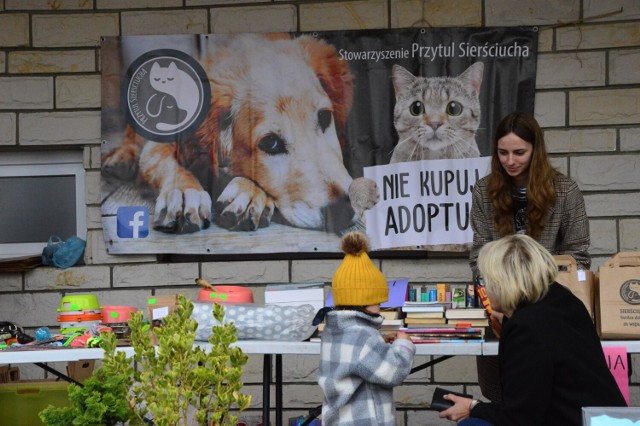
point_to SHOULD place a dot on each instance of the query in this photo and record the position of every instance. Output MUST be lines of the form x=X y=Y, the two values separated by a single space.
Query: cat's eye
x=454 y=108
x=416 y=108
x=273 y=144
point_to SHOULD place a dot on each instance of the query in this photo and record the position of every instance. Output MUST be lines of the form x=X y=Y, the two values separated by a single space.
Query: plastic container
x=79 y=302
x=21 y=402
x=77 y=327
x=226 y=294
x=117 y=314
x=79 y=318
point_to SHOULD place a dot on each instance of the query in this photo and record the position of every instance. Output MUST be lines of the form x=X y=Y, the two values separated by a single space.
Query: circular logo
x=167 y=95
x=630 y=291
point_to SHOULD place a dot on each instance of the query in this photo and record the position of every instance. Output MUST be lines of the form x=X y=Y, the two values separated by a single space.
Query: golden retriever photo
x=270 y=145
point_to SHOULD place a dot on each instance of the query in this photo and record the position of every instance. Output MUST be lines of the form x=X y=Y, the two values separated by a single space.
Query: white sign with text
x=423 y=202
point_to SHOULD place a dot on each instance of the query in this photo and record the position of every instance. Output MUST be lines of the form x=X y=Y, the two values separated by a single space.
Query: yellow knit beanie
x=357 y=281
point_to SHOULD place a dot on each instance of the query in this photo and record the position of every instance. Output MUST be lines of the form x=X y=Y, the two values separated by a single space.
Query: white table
x=259 y=347
x=633 y=346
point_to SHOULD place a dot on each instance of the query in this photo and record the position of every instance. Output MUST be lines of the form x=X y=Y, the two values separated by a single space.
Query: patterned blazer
x=566 y=231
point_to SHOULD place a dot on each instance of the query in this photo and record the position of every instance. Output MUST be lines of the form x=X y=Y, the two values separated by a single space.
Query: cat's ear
x=473 y=75
x=401 y=79
x=155 y=67
x=172 y=67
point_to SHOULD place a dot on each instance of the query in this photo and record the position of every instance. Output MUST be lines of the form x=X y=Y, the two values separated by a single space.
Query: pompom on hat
x=357 y=281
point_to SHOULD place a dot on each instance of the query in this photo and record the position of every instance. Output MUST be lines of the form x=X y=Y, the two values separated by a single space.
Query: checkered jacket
x=358 y=370
x=566 y=231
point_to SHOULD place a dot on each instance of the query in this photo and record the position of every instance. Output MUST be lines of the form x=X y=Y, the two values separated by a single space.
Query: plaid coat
x=358 y=370
x=566 y=231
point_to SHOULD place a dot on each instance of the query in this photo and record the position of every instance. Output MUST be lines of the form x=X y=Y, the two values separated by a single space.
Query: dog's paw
x=182 y=212
x=243 y=206
x=363 y=194
x=119 y=165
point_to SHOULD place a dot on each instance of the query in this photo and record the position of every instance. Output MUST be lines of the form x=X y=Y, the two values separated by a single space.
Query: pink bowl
x=226 y=294
x=117 y=313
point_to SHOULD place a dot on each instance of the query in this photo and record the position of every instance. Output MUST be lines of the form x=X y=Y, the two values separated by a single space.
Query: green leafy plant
x=174 y=383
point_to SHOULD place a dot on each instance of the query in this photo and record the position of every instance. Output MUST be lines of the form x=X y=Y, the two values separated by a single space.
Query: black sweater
x=551 y=364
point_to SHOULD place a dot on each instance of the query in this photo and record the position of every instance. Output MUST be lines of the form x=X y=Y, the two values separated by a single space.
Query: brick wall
x=587 y=100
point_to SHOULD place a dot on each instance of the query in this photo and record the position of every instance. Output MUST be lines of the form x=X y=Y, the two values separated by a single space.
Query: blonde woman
x=551 y=360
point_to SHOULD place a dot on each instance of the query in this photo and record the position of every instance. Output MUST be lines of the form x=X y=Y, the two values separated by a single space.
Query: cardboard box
x=579 y=281
x=161 y=306
x=295 y=294
x=80 y=370
x=618 y=297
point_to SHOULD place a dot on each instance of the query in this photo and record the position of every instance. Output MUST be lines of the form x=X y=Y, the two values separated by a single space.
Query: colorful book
x=465 y=322
x=422 y=321
x=424 y=314
x=476 y=313
x=425 y=306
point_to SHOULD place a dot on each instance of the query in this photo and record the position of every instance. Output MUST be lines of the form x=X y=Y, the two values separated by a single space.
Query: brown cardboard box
x=580 y=282
x=618 y=297
x=80 y=370
x=161 y=306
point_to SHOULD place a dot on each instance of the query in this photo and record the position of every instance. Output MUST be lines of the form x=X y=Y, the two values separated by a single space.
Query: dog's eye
x=454 y=108
x=273 y=145
x=416 y=108
x=324 y=119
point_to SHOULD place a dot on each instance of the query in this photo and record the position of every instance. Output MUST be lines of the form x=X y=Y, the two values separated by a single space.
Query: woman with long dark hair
x=524 y=194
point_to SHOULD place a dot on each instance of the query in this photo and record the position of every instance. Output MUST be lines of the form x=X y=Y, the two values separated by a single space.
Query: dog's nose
x=338 y=215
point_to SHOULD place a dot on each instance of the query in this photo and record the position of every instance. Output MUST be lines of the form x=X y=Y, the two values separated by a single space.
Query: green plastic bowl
x=79 y=302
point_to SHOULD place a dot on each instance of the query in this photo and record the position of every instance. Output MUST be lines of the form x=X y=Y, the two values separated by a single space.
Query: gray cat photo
x=436 y=117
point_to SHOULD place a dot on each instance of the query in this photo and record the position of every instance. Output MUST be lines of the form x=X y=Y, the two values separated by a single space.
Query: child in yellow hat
x=358 y=366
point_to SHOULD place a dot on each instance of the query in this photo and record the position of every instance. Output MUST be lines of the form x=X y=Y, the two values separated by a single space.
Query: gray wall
x=587 y=100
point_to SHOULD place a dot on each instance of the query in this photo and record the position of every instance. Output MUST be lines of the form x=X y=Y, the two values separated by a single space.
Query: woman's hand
x=460 y=409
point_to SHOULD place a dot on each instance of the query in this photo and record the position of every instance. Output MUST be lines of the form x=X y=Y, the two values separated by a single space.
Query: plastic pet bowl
x=79 y=302
x=78 y=318
x=226 y=294
x=117 y=314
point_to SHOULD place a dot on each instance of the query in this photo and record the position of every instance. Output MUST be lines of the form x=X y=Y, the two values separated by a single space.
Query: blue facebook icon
x=133 y=222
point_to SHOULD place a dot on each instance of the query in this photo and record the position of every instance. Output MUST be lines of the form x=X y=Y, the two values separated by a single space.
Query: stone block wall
x=587 y=100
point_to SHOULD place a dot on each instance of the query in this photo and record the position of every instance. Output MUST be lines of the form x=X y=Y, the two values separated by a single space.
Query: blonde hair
x=516 y=269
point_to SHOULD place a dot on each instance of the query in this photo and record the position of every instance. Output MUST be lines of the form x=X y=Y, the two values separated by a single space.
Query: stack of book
x=445 y=334
x=425 y=314
x=468 y=317
x=392 y=320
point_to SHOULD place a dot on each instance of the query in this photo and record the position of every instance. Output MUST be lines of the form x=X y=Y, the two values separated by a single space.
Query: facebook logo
x=133 y=222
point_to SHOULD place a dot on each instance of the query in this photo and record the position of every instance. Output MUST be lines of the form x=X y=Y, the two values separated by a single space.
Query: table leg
x=430 y=363
x=266 y=388
x=279 y=389
x=57 y=373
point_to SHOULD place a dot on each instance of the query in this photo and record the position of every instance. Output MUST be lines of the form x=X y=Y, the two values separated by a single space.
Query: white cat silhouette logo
x=167 y=94
x=630 y=292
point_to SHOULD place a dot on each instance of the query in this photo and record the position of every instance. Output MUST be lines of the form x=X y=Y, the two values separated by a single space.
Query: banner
x=282 y=142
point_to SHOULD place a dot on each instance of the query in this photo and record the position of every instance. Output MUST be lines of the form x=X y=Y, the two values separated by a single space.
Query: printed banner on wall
x=282 y=142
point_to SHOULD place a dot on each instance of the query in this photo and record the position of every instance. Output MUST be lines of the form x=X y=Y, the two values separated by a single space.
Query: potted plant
x=174 y=383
